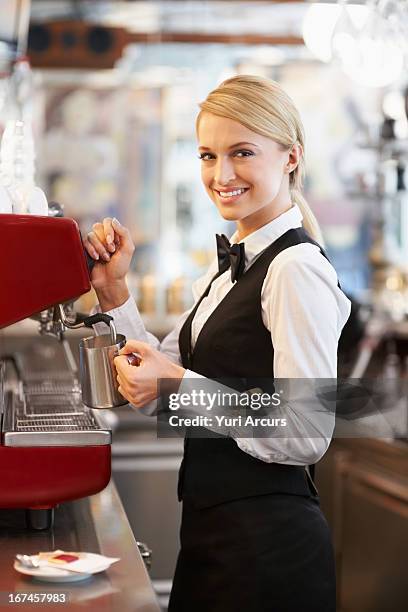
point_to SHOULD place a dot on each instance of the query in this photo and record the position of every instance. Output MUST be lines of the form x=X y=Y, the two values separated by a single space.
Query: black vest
x=234 y=343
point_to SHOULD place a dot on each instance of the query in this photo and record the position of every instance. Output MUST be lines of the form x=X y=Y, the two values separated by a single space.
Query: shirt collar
x=265 y=235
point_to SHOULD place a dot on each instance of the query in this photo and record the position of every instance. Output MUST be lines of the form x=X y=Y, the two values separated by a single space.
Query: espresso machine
x=53 y=448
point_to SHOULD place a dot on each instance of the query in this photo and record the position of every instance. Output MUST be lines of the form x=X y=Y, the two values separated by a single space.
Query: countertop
x=94 y=524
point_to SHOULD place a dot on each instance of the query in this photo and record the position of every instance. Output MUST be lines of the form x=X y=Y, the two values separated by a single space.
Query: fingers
x=109 y=234
x=134 y=399
x=120 y=229
x=125 y=239
x=135 y=346
x=127 y=371
x=90 y=249
x=97 y=240
x=121 y=365
x=105 y=237
x=127 y=387
x=127 y=394
x=138 y=394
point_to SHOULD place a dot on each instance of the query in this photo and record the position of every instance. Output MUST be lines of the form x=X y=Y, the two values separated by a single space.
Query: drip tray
x=43 y=420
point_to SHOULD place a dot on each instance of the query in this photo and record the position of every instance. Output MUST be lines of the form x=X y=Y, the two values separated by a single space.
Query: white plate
x=49 y=574
x=56 y=574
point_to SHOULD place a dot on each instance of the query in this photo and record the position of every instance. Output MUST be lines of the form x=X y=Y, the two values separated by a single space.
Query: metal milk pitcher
x=98 y=373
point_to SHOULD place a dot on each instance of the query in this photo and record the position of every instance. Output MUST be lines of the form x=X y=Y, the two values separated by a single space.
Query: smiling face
x=245 y=174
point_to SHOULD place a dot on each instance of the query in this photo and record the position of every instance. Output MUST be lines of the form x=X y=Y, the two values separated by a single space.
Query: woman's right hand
x=110 y=244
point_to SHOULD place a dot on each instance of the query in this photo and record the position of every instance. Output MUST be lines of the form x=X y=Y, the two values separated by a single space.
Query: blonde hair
x=262 y=106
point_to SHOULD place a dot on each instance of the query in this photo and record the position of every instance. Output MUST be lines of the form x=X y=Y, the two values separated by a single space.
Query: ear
x=294 y=157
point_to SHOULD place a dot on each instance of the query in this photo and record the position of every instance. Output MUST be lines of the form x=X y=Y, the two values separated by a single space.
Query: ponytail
x=309 y=220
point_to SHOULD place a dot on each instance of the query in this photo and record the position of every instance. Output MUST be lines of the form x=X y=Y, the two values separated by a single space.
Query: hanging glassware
x=371 y=56
x=17 y=151
x=343 y=41
x=369 y=42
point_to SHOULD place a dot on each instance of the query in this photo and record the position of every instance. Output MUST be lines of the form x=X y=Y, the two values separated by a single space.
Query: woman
x=252 y=536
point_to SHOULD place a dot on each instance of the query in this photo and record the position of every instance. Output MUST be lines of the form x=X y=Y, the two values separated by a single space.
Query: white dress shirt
x=304 y=311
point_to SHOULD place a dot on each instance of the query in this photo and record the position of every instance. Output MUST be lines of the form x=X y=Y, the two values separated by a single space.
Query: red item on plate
x=65 y=557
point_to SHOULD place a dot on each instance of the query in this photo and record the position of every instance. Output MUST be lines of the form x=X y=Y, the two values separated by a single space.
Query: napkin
x=82 y=562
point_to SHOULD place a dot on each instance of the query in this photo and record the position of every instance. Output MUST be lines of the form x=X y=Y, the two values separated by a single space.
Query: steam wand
x=54 y=321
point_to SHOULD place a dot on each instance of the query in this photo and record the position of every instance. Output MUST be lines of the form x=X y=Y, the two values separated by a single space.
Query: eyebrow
x=237 y=144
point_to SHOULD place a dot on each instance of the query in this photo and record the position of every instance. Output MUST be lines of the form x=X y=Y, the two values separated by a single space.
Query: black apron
x=253 y=536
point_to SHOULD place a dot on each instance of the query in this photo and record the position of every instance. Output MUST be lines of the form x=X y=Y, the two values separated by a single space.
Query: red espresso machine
x=53 y=448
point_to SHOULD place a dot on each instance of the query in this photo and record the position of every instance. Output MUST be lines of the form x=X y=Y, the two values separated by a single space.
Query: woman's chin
x=229 y=214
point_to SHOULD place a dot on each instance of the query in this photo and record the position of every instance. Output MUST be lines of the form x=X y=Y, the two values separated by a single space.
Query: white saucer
x=56 y=574
x=49 y=574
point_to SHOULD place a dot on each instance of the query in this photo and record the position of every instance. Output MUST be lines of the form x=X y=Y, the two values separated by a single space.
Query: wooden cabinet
x=363 y=487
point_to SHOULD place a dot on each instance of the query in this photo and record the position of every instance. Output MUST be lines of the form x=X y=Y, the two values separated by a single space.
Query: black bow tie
x=230 y=255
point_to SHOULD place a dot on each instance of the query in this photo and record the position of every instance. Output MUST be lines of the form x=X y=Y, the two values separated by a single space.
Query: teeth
x=228 y=194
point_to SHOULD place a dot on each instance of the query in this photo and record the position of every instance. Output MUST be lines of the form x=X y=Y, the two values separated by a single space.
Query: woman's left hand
x=140 y=384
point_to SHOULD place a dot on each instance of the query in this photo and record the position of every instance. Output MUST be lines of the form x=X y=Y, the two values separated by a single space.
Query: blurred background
x=108 y=93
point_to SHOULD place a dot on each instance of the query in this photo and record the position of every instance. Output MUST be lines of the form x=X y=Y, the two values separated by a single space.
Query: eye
x=206 y=156
x=243 y=153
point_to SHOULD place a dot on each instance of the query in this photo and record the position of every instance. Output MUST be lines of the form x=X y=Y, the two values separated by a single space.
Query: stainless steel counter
x=95 y=524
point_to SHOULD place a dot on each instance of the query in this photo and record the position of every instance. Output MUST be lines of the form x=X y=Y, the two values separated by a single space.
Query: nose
x=224 y=171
